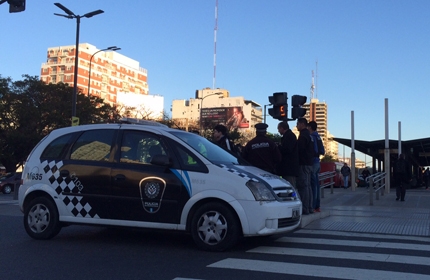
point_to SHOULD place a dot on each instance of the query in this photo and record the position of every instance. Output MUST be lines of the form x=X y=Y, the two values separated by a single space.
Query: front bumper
x=271 y=217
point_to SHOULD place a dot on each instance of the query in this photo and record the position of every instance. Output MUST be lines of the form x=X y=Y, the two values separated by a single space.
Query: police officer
x=261 y=151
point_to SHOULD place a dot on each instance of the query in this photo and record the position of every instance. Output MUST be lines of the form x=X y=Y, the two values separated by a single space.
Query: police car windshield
x=206 y=148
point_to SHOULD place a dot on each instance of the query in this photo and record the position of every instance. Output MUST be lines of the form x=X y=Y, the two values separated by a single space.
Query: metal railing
x=323 y=177
x=376 y=185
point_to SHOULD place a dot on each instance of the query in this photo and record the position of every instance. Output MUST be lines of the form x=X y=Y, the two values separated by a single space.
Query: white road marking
x=355 y=243
x=343 y=255
x=315 y=270
x=365 y=235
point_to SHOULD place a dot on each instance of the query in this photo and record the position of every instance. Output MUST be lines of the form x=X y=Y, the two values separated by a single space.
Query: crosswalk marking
x=315 y=270
x=382 y=260
x=370 y=235
x=342 y=255
x=355 y=243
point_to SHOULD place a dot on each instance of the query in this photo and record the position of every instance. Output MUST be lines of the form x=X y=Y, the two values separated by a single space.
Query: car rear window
x=56 y=148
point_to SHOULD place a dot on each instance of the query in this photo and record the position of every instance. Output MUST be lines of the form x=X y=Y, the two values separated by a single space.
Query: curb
x=307 y=219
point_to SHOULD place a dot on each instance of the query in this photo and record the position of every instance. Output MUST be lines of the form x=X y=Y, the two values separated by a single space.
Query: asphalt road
x=83 y=252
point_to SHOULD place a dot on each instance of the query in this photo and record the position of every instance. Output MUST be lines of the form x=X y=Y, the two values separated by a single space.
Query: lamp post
x=265 y=112
x=201 y=107
x=113 y=48
x=71 y=15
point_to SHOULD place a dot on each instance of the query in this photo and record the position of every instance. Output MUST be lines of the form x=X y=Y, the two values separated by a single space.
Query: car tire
x=41 y=219
x=215 y=227
x=7 y=189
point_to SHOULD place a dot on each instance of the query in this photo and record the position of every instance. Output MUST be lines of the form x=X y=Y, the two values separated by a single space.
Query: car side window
x=93 y=145
x=189 y=161
x=138 y=147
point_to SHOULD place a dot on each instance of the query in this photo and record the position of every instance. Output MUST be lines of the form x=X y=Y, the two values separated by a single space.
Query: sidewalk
x=347 y=210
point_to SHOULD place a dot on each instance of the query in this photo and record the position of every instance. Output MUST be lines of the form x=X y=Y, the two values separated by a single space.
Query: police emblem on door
x=151 y=193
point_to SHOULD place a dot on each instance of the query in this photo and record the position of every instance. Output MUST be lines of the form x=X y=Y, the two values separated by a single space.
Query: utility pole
x=215 y=31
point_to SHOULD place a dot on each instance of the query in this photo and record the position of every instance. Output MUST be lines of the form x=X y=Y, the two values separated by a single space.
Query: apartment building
x=111 y=72
x=214 y=106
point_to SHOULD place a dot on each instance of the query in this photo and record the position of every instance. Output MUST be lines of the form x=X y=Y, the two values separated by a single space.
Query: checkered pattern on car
x=76 y=204
x=239 y=173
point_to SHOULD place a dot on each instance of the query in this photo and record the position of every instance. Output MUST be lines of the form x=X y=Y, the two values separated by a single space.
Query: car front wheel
x=41 y=219
x=215 y=227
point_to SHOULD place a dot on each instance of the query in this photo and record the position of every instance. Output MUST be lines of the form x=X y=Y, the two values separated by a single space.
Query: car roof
x=139 y=125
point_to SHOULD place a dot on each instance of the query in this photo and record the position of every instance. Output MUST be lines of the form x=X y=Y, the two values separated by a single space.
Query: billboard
x=231 y=117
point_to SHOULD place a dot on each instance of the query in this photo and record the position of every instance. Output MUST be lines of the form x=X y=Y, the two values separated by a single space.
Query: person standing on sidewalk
x=365 y=174
x=402 y=176
x=289 y=166
x=261 y=151
x=426 y=177
x=306 y=154
x=346 y=172
x=316 y=167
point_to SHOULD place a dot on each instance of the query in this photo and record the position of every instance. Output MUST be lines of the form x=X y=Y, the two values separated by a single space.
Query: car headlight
x=260 y=191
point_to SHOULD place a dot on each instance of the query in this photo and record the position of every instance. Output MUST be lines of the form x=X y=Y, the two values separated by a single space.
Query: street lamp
x=201 y=106
x=71 y=15
x=265 y=112
x=113 y=48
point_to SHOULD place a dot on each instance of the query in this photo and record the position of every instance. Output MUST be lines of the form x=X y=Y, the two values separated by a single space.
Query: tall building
x=215 y=106
x=111 y=72
x=317 y=111
x=331 y=146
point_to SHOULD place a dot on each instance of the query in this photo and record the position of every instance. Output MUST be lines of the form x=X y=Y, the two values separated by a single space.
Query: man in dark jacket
x=306 y=154
x=402 y=176
x=316 y=166
x=289 y=166
x=221 y=138
x=261 y=151
x=346 y=173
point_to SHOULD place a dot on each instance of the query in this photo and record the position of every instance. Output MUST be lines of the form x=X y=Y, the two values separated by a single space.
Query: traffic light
x=297 y=102
x=16 y=6
x=280 y=105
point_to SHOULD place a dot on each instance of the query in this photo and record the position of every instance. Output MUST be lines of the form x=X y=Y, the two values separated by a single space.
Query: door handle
x=64 y=173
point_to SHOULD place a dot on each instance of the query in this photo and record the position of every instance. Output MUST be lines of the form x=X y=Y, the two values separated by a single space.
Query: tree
x=274 y=137
x=329 y=158
x=30 y=109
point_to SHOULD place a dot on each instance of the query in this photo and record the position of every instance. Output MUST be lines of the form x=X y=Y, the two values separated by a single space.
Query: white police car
x=151 y=176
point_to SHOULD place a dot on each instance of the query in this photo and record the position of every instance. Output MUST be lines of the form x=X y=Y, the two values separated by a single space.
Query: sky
x=362 y=52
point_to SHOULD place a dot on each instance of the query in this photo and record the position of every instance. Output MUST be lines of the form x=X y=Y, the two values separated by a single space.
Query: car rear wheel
x=41 y=219
x=7 y=189
x=215 y=227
